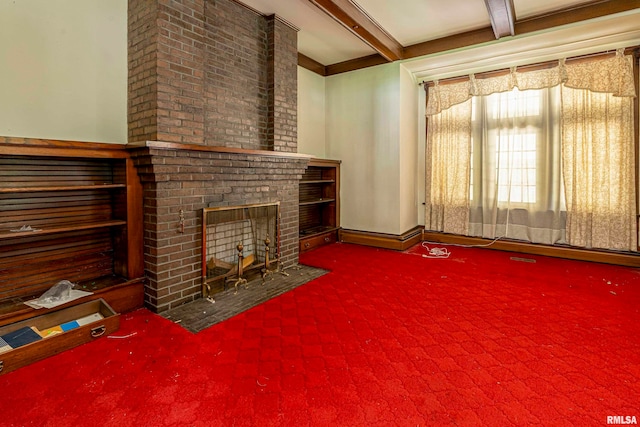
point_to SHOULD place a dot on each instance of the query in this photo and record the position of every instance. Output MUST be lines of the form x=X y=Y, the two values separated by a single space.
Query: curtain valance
x=610 y=75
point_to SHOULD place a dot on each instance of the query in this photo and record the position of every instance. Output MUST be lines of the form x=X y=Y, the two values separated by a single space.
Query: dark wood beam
x=358 y=22
x=537 y=23
x=576 y=14
x=311 y=65
x=456 y=41
x=502 y=17
x=355 y=64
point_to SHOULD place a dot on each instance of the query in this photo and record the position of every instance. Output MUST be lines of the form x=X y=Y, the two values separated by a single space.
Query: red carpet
x=384 y=339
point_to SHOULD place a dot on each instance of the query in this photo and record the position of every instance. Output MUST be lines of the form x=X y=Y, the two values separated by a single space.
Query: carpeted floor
x=384 y=339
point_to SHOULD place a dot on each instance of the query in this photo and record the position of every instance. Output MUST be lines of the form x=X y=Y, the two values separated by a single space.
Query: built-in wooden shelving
x=68 y=211
x=319 y=204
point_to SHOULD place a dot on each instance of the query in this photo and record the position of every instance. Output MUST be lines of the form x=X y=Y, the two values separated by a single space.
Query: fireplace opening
x=239 y=242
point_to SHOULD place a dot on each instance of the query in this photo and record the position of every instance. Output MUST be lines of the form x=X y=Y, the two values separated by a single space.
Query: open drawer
x=52 y=333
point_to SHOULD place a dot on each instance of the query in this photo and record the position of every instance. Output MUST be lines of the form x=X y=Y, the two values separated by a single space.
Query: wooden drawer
x=312 y=242
x=45 y=347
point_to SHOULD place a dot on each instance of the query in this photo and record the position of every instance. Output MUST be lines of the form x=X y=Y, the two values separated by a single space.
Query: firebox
x=239 y=241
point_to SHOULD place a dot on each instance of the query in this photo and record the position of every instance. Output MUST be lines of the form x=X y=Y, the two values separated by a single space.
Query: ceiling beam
x=575 y=14
x=358 y=22
x=456 y=41
x=311 y=65
x=529 y=25
x=502 y=17
x=355 y=64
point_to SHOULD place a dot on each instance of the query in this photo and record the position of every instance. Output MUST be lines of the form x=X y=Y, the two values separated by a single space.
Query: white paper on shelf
x=89 y=319
x=74 y=294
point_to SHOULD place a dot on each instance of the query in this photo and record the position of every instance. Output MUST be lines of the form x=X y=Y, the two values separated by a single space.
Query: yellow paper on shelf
x=50 y=332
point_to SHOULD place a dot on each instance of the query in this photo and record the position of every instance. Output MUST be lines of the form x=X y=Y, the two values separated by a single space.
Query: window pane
x=514 y=104
x=516 y=168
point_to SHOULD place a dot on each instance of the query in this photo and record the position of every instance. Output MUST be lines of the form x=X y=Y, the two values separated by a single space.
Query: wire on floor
x=435 y=252
x=445 y=253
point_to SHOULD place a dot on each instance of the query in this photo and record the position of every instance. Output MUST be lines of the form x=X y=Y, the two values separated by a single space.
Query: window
x=515 y=178
x=515 y=148
x=545 y=156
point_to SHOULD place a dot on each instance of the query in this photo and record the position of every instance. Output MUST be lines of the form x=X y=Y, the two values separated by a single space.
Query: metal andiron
x=240 y=280
x=267 y=263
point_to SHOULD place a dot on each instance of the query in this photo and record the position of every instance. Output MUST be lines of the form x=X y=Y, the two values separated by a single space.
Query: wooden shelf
x=62 y=229
x=318 y=181
x=15 y=309
x=311 y=232
x=58 y=188
x=316 y=202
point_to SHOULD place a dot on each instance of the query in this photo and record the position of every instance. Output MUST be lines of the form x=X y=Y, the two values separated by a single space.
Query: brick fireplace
x=212 y=123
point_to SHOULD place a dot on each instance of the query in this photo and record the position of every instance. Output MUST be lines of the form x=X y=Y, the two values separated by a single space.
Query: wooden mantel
x=160 y=145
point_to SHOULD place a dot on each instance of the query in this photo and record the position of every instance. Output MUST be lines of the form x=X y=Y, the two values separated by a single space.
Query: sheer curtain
x=550 y=155
x=517 y=191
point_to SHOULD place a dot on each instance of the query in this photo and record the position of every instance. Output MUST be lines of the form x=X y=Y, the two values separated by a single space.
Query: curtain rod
x=635 y=50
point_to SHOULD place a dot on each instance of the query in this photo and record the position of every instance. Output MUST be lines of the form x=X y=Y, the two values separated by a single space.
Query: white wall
x=64 y=69
x=408 y=146
x=422 y=148
x=311 y=113
x=371 y=127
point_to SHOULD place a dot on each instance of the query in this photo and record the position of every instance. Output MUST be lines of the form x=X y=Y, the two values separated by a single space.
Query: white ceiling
x=409 y=22
x=320 y=36
x=415 y=21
